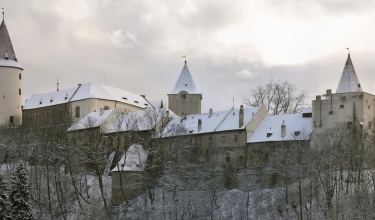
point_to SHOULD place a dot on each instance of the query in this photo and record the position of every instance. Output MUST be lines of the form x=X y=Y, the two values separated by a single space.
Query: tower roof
x=185 y=82
x=349 y=81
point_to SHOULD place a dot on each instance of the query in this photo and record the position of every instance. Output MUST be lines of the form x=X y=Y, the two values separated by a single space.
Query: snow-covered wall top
x=297 y=128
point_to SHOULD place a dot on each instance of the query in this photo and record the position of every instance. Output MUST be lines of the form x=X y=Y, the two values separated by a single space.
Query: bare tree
x=278 y=97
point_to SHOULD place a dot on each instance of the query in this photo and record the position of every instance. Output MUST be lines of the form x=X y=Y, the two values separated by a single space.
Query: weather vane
x=3 y=13
x=348 y=50
x=184 y=58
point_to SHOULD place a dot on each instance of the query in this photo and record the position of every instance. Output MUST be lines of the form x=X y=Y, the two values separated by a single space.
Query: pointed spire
x=7 y=54
x=349 y=81
x=185 y=82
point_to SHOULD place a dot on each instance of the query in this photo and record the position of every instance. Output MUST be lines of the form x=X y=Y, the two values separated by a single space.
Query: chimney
x=101 y=111
x=283 y=130
x=147 y=110
x=167 y=114
x=328 y=93
x=240 y=117
x=199 y=125
x=210 y=113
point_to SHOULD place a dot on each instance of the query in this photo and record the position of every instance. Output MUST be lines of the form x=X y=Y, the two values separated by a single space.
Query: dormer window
x=146 y=104
x=269 y=134
x=15 y=58
x=297 y=133
x=51 y=100
x=136 y=101
x=125 y=98
x=6 y=56
x=41 y=101
x=185 y=84
x=66 y=96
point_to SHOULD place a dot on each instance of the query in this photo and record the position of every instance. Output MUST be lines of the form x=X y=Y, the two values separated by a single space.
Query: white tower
x=10 y=81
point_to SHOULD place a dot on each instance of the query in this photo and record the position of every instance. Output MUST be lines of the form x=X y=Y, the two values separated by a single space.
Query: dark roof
x=6 y=43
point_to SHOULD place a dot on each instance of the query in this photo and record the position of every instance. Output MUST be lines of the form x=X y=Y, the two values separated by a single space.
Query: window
x=269 y=134
x=11 y=120
x=20 y=76
x=341 y=106
x=235 y=138
x=227 y=159
x=200 y=141
x=19 y=91
x=369 y=125
x=36 y=118
x=330 y=112
x=47 y=117
x=209 y=141
x=222 y=139
x=78 y=112
x=106 y=107
x=240 y=159
x=368 y=107
x=296 y=133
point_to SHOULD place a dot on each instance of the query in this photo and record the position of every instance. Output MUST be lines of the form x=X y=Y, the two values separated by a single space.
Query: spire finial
x=3 y=14
x=348 y=51
x=184 y=58
x=57 y=84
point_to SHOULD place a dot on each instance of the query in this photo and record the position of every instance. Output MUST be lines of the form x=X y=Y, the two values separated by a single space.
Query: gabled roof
x=85 y=91
x=349 y=81
x=218 y=121
x=91 y=120
x=134 y=160
x=138 y=120
x=272 y=124
x=49 y=99
x=185 y=82
x=7 y=54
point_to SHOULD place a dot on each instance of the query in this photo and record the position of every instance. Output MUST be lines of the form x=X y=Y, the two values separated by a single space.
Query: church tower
x=185 y=98
x=349 y=80
x=10 y=81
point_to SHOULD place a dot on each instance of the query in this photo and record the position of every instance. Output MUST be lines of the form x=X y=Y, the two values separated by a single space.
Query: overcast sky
x=231 y=46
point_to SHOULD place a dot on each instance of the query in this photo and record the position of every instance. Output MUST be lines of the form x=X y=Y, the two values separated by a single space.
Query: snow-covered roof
x=297 y=127
x=218 y=121
x=134 y=160
x=85 y=91
x=349 y=81
x=49 y=99
x=93 y=90
x=91 y=120
x=138 y=120
x=185 y=82
x=7 y=54
x=306 y=110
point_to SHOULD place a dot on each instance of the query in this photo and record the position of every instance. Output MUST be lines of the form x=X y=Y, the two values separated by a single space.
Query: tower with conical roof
x=185 y=99
x=349 y=81
x=10 y=81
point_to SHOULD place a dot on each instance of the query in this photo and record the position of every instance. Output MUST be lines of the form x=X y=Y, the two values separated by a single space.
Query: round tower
x=10 y=81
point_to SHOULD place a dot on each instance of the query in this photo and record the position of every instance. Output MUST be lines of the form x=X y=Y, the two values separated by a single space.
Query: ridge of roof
x=349 y=80
x=185 y=82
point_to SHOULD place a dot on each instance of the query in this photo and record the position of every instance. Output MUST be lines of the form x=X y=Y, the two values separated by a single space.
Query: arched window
x=78 y=112
x=106 y=107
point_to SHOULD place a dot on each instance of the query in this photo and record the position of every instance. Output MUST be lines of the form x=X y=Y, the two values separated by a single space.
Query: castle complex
x=236 y=138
